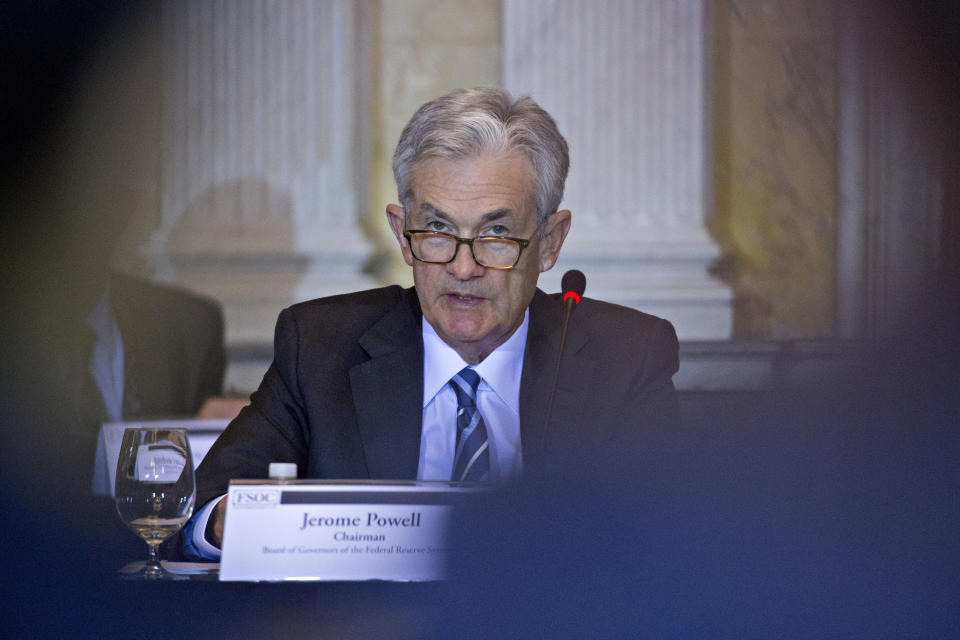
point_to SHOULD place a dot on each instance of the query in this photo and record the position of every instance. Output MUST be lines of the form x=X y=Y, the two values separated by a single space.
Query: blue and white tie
x=472 y=458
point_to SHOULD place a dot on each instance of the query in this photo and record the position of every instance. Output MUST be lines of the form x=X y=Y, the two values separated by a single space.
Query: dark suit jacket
x=343 y=397
x=173 y=347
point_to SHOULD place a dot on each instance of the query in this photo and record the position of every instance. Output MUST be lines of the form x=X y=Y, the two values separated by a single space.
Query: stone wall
x=776 y=163
x=775 y=150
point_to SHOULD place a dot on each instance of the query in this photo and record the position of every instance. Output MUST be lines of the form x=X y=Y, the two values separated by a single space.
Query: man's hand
x=214 y=532
x=219 y=407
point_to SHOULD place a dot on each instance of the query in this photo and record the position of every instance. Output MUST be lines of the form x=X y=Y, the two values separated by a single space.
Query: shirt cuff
x=195 y=543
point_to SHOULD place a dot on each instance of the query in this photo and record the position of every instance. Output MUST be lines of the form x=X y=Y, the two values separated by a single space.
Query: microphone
x=573 y=285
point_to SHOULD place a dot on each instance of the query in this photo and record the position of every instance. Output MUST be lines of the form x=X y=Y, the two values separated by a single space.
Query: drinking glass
x=155 y=490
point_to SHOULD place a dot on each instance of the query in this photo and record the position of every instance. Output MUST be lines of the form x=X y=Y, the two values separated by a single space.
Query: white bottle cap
x=282 y=471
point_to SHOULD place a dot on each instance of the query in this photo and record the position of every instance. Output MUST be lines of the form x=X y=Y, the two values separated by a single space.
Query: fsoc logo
x=256 y=498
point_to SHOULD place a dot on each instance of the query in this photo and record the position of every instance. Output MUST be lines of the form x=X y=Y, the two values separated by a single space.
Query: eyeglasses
x=493 y=252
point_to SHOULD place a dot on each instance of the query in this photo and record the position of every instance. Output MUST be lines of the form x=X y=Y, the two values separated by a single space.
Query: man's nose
x=464 y=266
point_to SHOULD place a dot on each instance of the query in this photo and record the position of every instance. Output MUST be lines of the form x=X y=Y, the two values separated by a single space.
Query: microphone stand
x=573 y=284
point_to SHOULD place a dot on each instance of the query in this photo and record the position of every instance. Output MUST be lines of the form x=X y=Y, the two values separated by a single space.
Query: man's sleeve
x=643 y=429
x=656 y=399
x=196 y=547
x=272 y=428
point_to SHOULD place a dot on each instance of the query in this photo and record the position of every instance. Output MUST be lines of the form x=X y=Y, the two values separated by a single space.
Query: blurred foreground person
x=831 y=510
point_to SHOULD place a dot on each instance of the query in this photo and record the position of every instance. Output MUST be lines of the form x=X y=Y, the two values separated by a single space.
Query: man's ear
x=558 y=225
x=397 y=220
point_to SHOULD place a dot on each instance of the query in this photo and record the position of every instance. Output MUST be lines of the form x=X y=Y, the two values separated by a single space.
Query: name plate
x=322 y=530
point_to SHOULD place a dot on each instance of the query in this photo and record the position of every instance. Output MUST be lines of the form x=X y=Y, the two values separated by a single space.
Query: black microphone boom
x=573 y=284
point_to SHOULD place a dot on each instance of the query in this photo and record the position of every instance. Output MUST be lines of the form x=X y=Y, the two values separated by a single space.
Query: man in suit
x=132 y=348
x=135 y=349
x=94 y=345
x=172 y=343
x=451 y=379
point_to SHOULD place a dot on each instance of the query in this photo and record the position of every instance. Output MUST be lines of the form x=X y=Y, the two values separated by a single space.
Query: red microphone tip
x=573 y=284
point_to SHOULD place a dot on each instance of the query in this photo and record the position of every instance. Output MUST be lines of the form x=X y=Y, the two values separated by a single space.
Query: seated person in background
x=172 y=342
x=136 y=349
x=451 y=379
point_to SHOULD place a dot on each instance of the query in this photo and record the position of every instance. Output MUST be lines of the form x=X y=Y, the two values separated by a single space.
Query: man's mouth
x=463 y=297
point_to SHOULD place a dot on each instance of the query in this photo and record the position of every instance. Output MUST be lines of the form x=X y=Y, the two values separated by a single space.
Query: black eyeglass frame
x=523 y=243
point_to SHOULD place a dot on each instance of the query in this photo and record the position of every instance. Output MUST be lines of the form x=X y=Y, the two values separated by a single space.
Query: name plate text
x=308 y=530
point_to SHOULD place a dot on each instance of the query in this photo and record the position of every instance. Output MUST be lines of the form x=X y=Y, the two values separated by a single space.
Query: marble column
x=426 y=49
x=264 y=158
x=627 y=82
x=775 y=149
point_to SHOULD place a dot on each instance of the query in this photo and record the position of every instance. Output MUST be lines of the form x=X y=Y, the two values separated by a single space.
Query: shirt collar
x=500 y=371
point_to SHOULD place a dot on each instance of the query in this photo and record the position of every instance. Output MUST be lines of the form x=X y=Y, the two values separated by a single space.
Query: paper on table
x=201 y=434
x=176 y=568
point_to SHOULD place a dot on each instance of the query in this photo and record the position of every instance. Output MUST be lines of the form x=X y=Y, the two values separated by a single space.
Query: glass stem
x=154 y=561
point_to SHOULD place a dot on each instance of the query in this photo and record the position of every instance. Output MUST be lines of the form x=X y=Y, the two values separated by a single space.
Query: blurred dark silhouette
x=827 y=511
x=67 y=194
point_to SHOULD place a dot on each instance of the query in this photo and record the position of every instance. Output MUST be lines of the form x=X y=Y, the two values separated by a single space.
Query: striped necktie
x=472 y=458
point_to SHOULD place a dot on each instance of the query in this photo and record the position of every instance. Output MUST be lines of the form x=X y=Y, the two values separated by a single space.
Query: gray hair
x=467 y=123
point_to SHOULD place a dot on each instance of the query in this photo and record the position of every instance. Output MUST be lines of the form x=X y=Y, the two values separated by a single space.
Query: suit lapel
x=388 y=392
x=539 y=364
x=388 y=388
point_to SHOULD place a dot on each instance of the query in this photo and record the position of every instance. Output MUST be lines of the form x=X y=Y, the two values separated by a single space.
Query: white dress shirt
x=106 y=358
x=498 y=400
